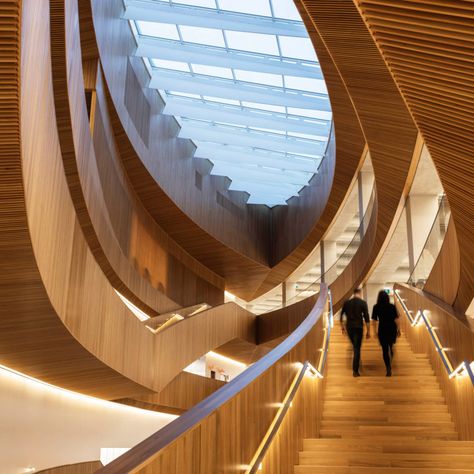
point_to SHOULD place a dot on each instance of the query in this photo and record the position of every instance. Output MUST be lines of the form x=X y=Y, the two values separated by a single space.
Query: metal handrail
x=465 y=366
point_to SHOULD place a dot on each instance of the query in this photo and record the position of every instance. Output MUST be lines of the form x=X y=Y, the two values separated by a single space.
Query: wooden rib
x=440 y=37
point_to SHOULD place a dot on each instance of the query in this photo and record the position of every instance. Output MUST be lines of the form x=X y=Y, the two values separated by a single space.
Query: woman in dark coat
x=386 y=314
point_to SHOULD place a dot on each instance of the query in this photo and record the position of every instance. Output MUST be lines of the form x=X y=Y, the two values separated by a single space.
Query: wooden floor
x=377 y=424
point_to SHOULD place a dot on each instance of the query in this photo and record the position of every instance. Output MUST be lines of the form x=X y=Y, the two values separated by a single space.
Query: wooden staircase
x=376 y=424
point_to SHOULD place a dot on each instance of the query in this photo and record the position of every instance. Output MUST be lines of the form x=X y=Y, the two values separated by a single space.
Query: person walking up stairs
x=375 y=424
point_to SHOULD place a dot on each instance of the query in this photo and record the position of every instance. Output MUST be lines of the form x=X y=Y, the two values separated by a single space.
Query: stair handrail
x=151 y=446
x=464 y=366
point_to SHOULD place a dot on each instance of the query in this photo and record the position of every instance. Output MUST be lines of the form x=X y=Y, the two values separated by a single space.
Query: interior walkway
x=378 y=424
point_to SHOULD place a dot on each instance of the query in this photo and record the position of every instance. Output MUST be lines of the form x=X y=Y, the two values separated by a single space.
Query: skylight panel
x=197 y=34
x=174 y=65
x=270 y=108
x=319 y=114
x=268 y=150
x=259 y=77
x=216 y=71
x=285 y=9
x=261 y=7
x=306 y=84
x=255 y=42
x=222 y=100
x=300 y=48
x=196 y=3
x=184 y=94
x=308 y=136
x=159 y=30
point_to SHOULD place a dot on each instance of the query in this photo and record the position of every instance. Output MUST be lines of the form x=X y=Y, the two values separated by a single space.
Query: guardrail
x=286 y=404
x=464 y=367
x=147 y=452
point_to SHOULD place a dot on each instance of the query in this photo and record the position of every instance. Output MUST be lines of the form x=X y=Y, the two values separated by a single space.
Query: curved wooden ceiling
x=428 y=46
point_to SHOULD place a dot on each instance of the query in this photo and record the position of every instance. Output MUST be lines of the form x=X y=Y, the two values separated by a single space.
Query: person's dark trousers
x=355 y=335
x=387 y=351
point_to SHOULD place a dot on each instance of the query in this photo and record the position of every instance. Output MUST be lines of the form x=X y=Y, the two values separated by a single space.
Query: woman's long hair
x=382 y=298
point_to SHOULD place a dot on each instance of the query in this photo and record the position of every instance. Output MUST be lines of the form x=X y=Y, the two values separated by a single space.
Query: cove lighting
x=142 y=316
x=226 y=359
x=36 y=384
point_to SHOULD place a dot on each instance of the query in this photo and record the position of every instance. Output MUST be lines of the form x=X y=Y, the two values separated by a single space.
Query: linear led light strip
x=464 y=368
x=255 y=463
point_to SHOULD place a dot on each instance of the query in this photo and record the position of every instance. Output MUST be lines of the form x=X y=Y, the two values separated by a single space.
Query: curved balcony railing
x=299 y=346
x=432 y=246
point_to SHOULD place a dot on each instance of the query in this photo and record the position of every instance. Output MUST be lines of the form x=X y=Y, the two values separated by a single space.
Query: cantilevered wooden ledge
x=147 y=451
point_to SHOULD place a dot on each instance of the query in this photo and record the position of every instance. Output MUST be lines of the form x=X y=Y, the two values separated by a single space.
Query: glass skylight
x=243 y=81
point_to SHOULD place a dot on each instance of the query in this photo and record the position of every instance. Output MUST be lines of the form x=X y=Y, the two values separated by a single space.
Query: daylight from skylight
x=243 y=81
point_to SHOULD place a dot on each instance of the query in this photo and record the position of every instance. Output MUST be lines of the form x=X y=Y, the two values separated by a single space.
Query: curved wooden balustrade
x=207 y=433
x=61 y=319
x=101 y=201
x=447 y=331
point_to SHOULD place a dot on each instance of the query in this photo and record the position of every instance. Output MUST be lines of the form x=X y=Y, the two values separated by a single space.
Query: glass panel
x=432 y=246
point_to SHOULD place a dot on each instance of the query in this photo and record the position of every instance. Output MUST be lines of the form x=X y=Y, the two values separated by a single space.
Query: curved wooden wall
x=428 y=47
x=32 y=338
x=386 y=123
x=456 y=333
x=61 y=319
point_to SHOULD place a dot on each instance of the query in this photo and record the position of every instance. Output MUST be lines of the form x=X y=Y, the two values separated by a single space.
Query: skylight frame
x=321 y=118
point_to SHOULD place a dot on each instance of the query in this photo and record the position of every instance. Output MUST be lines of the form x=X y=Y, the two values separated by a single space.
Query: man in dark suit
x=356 y=312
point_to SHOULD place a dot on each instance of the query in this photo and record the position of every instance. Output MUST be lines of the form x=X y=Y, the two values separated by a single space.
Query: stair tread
x=379 y=425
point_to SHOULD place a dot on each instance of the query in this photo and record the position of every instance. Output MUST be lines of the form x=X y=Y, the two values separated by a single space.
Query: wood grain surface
x=455 y=333
x=428 y=47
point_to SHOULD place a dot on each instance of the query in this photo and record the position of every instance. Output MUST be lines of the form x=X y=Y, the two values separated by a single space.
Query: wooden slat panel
x=455 y=333
x=429 y=49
